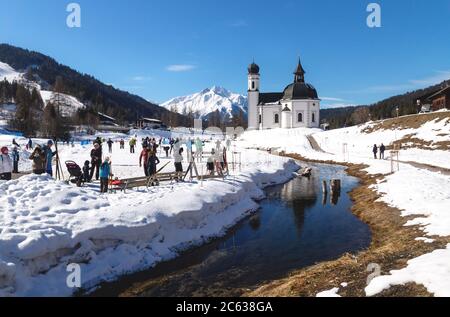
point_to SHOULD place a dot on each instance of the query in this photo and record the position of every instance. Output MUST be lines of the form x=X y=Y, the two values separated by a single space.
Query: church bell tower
x=253 y=96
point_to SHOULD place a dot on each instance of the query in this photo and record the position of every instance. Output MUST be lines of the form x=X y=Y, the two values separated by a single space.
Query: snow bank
x=46 y=225
x=330 y=293
x=431 y=270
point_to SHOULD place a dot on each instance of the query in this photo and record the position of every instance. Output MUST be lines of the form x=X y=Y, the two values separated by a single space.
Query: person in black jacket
x=96 y=160
x=152 y=162
x=375 y=150
x=382 y=149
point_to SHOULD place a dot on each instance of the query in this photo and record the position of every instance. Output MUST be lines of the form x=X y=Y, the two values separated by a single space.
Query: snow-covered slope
x=208 y=101
x=8 y=73
x=69 y=103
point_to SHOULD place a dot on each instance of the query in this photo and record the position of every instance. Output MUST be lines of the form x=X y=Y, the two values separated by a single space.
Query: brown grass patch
x=407 y=122
x=392 y=246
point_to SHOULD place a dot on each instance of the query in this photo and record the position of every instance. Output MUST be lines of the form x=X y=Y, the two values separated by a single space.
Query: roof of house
x=270 y=97
x=445 y=90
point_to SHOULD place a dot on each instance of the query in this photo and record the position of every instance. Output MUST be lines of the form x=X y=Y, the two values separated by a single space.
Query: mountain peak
x=208 y=101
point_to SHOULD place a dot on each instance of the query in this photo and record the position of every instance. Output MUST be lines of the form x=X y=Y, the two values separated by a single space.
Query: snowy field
x=47 y=225
x=428 y=198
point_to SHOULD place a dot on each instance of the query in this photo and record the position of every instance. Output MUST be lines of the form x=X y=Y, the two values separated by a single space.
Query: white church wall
x=268 y=113
x=306 y=108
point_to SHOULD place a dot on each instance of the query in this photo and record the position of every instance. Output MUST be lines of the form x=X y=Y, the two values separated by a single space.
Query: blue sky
x=162 y=49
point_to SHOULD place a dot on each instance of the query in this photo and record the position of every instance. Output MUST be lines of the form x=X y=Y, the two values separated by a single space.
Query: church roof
x=253 y=69
x=300 y=90
x=299 y=70
x=270 y=97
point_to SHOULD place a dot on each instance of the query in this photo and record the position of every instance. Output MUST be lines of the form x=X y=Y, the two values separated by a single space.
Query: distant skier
x=6 y=165
x=30 y=144
x=122 y=144
x=132 y=145
x=382 y=150
x=110 y=144
x=375 y=151
x=15 y=158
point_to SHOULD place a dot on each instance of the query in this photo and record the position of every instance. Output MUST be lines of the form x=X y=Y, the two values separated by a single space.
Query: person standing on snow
x=132 y=145
x=144 y=158
x=382 y=150
x=152 y=162
x=6 y=165
x=166 y=146
x=178 y=156
x=189 y=150
x=86 y=172
x=199 y=149
x=15 y=158
x=30 y=144
x=122 y=144
x=49 y=157
x=38 y=158
x=375 y=151
x=96 y=160
x=110 y=144
x=105 y=173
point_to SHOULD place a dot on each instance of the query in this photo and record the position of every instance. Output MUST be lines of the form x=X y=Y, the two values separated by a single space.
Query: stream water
x=296 y=226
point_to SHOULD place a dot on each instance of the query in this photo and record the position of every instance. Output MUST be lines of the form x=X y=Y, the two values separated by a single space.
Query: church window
x=253 y=85
x=277 y=118
x=300 y=117
x=260 y=119
x=313 y=117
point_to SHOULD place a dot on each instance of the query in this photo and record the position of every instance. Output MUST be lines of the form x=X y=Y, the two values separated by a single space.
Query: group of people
x=98 y=166
x=41 y=158
x=380 y=149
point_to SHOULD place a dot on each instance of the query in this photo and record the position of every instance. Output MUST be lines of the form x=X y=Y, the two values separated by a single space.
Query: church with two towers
x=297 y=106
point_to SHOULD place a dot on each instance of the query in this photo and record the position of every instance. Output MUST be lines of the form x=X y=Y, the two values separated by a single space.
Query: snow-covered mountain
x=69 y=104
x=208 y=101
x=9 y=73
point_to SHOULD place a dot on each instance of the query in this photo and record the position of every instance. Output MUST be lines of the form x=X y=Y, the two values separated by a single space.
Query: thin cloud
x=239 y=24
x=331 y=99
x=141 y=78
x=336 y=105
x=180 y=68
